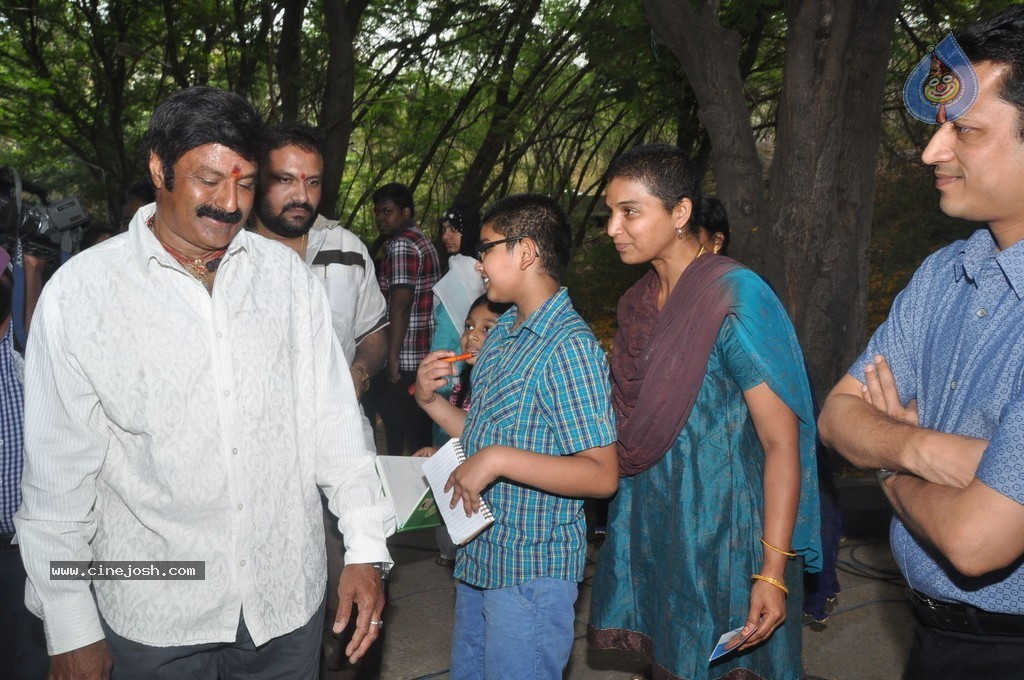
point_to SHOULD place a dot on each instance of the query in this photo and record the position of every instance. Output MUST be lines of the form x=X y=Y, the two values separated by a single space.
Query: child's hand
x=470 y=479
x=432 y=375
x=425 y=452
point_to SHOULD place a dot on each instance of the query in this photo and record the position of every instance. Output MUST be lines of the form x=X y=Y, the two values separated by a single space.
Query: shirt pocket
x=505 y=410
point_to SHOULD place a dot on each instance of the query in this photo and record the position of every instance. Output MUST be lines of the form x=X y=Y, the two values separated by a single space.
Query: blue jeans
x=519 y=633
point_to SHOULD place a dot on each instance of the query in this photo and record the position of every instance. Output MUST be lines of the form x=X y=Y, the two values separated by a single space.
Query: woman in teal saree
x=717 y=511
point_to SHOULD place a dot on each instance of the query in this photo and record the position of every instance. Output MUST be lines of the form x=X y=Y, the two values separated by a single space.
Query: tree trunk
x=822 y=180
x=342 y=20
x=710 y=57
x=808 y=230
x=288 y=61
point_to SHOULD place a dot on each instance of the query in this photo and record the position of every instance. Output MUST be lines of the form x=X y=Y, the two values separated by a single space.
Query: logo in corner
x=943 y=86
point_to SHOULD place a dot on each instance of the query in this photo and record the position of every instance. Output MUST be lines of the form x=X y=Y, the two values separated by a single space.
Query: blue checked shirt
x=11 y=441
x=955 y=341
x=542 y=387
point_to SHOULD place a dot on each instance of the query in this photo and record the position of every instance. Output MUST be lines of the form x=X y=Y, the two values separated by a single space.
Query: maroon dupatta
x=673 y=345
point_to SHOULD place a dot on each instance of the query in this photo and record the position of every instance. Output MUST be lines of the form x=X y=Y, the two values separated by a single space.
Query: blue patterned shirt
x=542 y=387
x=11 y=439
x=955 y=341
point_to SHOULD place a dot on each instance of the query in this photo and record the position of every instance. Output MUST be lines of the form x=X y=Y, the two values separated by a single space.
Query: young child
x=483 y=316
x=539 y=437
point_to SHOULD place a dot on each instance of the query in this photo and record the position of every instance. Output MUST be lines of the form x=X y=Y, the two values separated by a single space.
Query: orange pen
x=460 y=357
x=450 y=360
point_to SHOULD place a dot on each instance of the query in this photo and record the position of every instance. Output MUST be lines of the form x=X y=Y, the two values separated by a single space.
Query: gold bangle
x=774 y=581
x=772 y=547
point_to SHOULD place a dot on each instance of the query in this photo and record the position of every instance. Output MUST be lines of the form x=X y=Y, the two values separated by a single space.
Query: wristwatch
x=383 y=569
x=884 y=474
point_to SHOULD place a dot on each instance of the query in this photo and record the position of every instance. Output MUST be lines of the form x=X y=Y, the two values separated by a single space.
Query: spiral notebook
x=437 y=469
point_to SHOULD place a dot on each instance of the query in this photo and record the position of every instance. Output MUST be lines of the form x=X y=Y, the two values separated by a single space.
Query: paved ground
x=865 y=639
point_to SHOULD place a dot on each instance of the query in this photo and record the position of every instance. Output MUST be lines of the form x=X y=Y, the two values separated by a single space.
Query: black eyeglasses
x=482 y=248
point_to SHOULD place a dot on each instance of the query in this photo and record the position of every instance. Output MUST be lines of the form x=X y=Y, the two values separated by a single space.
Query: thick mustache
x=219 y=215
x=297 y=204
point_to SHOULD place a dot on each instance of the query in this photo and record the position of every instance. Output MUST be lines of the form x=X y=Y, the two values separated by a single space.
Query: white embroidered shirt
x=165 y=423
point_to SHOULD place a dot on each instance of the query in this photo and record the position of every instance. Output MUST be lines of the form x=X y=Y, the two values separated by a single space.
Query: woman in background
x=460 y=233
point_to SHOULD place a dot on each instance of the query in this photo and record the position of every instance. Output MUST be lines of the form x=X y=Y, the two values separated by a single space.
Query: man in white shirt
x=286 y=211
x=291 y=172
x=185 y=403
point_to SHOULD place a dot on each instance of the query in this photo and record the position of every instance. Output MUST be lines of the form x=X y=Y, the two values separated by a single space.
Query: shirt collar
x=981 y=247
x=317 y=237
x=145 y=247
x=409 y=228
x=543 y=318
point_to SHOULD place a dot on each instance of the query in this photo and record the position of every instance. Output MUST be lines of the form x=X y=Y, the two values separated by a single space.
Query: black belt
x=963 y=618
x=5 y=542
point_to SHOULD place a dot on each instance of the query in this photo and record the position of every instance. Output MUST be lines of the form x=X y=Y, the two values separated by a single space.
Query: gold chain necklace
x=202 y=268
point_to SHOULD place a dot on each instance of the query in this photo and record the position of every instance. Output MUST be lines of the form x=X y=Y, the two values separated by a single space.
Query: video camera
x=44 y=228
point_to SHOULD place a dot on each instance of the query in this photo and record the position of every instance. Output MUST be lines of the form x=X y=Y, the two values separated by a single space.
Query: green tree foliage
x=81 y=77
x=461 y=100
x=466 y=100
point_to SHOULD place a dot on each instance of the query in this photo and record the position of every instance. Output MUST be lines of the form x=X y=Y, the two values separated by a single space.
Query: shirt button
x=234 y=451
x=952 y=385
x=239 y=506
x=982 y=313
x=227 y=393
x=219 y=334
x=241 y=563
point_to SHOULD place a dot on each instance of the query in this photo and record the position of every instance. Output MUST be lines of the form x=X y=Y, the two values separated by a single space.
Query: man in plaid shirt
x=407 y=276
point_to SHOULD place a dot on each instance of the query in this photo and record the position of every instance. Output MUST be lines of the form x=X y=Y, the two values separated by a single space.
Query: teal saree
x=683 y=535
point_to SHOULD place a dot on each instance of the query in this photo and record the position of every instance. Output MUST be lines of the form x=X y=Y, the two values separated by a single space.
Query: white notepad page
x=437 y=469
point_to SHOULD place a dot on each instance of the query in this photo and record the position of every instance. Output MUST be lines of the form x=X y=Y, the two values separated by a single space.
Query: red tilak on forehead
x=302 y=176
x=236 y=171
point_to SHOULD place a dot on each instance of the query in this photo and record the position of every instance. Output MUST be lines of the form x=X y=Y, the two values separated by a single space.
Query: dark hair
x=713 y=218
x=666 y=171
x=466 y=221
x=304 y=136
x=201 y=115
x=142 y=190
x=397 y=192
x=498 y=308
x=1000 y=40
x=540 y=218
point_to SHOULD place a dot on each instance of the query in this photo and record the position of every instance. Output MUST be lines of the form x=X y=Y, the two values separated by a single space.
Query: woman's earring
x=679 y=233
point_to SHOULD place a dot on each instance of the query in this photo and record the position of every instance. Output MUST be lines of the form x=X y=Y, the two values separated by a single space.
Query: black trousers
x=406 y=425
x=944 y=655
x=295 y=655
x=23 y=653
